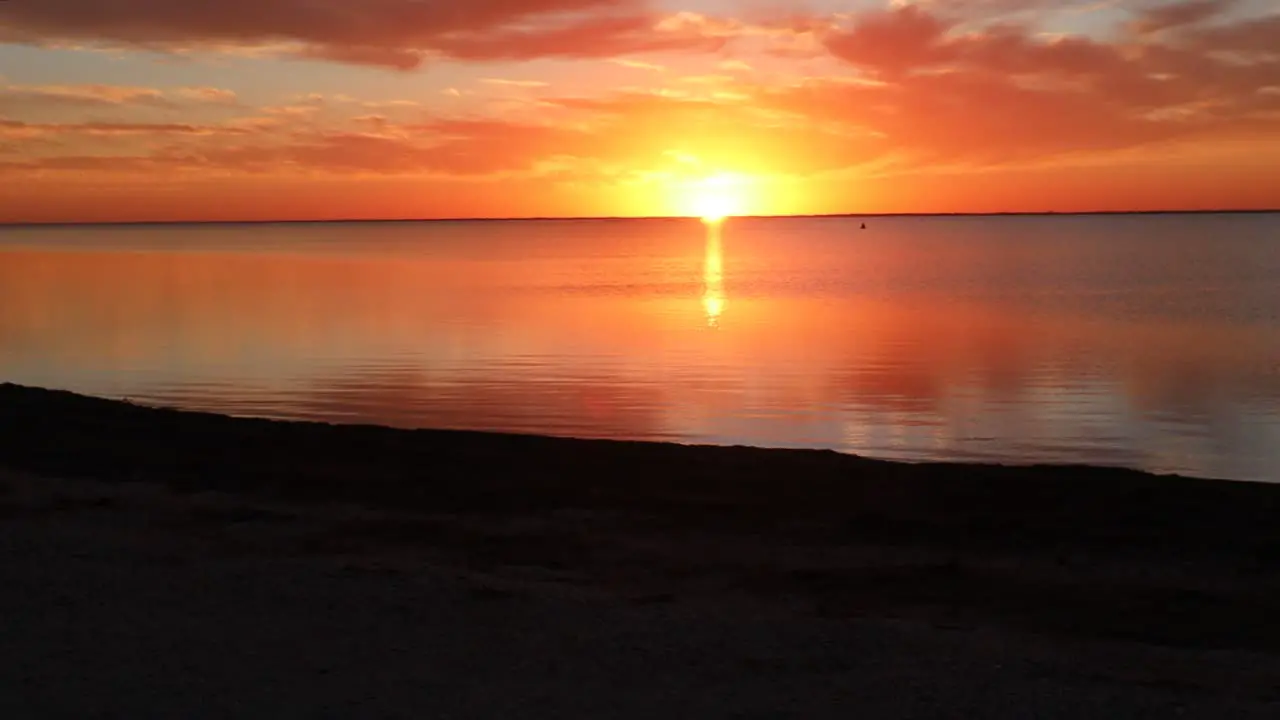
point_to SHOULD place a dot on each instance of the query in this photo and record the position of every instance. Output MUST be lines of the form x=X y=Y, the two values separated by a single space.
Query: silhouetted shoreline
x=158 y=561
x=1080 y=539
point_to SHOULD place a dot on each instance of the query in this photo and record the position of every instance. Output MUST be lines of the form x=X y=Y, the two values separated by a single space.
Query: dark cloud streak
x=399 y=34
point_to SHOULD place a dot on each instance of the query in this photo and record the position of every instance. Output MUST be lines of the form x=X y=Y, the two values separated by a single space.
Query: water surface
x=1146 y=341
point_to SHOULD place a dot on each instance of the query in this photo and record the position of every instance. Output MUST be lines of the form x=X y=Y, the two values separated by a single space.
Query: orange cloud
x=459 y=147
x=946 y=90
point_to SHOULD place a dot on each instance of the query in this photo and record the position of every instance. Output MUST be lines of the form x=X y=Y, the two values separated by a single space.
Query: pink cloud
x=1004 y=92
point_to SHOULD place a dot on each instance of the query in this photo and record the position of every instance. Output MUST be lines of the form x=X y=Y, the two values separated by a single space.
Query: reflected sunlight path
x=713 y=274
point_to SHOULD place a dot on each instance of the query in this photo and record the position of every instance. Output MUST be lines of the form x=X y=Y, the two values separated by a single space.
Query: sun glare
x=716 y=197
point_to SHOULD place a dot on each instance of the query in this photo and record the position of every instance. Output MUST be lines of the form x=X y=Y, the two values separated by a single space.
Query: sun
x=715 y=197
x=714 y=208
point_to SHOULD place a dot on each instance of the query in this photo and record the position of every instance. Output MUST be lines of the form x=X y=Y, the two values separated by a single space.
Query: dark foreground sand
x=164 y=564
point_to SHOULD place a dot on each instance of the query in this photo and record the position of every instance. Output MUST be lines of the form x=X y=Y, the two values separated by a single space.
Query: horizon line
x=553 y=218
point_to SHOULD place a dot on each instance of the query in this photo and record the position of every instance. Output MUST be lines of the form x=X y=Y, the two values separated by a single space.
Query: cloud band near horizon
x=613 y=103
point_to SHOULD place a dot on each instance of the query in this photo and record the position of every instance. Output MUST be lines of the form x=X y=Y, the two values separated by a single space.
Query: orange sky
x=271 y=109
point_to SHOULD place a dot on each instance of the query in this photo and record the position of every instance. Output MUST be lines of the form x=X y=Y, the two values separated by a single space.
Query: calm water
x=1146 y=341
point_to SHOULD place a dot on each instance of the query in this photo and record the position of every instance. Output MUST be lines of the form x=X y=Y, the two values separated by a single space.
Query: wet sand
x=161 y=563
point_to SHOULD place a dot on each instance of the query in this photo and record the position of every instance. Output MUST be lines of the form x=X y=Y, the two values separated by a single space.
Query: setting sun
x=690 y=108
x=716 y=197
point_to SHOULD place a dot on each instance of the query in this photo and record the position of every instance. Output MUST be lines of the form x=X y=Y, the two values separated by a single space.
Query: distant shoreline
x=341 y=221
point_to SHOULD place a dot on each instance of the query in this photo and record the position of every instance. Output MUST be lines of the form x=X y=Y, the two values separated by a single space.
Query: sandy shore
x=166 y=564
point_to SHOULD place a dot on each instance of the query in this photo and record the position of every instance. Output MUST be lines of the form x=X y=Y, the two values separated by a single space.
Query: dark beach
x=163 y=563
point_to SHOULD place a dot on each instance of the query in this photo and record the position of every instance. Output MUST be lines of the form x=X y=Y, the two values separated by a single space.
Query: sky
x=131 y=110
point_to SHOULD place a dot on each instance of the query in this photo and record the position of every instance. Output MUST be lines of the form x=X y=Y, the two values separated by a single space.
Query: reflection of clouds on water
x=713 y=274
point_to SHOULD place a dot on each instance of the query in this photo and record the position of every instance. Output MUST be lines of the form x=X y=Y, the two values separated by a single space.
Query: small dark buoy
x=864 y=226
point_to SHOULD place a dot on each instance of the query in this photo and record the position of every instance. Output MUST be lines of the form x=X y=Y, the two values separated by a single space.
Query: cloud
x=80 y=95
x=1257 y=39
x=590 y=37
x=605 y=139
x=894 y=41
x=17 y=129
x=514 y=83
x=913 y=87
x=651 y=132
x=372 y=145
x=1006 y=92
x=638 y=64
x=399 y=34
x=381 y=56
x=209 y=95
x=1177 y=15
x=403 y=23
x=21 y=97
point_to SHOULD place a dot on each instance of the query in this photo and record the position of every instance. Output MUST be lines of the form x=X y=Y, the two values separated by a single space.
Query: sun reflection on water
x=713 y=275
